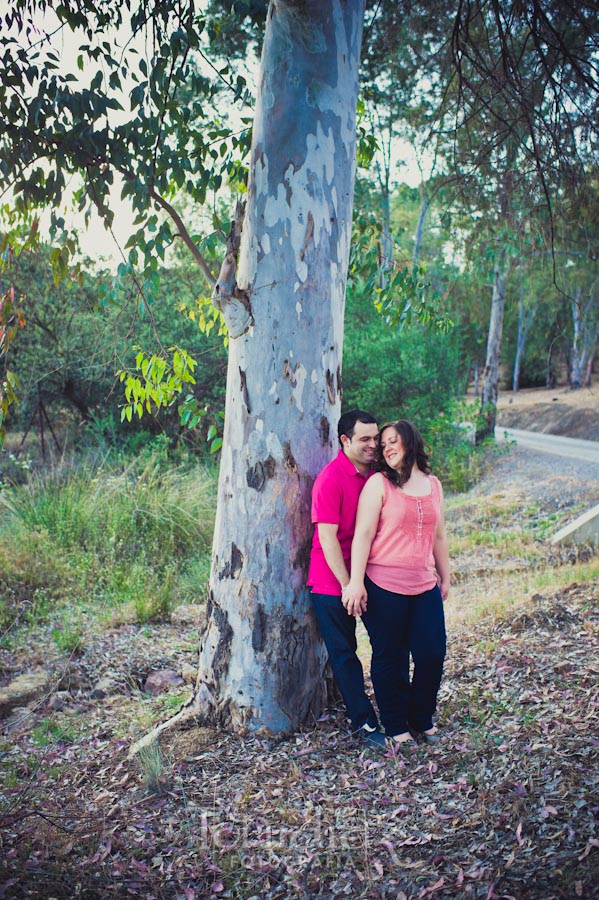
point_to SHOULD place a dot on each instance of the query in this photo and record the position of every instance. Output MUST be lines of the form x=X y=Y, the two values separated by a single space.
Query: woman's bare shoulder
x=376 y=483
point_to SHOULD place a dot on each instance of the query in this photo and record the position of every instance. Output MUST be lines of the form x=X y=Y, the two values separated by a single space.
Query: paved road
x=554 y=444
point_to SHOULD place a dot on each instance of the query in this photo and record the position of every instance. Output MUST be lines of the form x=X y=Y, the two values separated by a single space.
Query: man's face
x=361 y=447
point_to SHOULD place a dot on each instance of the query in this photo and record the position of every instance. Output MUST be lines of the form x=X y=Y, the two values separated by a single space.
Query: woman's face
x=392 y=448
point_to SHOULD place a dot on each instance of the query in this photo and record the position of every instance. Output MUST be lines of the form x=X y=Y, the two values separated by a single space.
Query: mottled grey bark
x=261 y=661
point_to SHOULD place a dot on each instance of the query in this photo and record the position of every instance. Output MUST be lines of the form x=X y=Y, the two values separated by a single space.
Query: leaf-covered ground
x=506 y=807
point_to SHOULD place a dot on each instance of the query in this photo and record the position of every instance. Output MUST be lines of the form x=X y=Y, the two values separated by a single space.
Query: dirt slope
x=552 y=411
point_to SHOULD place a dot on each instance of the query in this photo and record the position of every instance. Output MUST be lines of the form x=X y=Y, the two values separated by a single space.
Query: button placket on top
x=420 y=523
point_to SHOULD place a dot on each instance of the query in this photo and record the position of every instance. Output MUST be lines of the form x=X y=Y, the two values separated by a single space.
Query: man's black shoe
x=372 y=737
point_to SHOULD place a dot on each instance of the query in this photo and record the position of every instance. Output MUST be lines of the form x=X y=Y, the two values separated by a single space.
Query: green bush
x=450 y=438
x=413 y=373
x=73 y=345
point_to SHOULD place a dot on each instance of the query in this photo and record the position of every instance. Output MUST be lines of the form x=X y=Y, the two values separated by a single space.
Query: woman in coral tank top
x=399 y=581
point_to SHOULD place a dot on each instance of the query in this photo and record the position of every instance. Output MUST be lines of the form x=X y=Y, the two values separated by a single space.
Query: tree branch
x=184 y=235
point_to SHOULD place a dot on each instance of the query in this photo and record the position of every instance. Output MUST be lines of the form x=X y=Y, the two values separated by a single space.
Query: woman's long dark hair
x=414 y=452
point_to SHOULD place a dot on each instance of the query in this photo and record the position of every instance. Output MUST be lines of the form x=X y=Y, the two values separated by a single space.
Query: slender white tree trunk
x=261 y=661
x=490 y=385
x=386 y=239
x=384 y=177
x=576 y=370
x=588 y=374
x=585 y=321
x=424 y=205
x=525 y=320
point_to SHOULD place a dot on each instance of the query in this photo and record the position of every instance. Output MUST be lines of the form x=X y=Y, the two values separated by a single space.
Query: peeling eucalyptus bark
x=231 y=300
x=282 y=295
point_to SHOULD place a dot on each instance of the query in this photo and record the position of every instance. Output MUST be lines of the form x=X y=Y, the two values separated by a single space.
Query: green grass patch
x=49 y=731
x=99 y=538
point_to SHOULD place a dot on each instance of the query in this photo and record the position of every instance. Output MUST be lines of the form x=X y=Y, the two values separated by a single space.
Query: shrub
x=450 y=437
x=139 y=535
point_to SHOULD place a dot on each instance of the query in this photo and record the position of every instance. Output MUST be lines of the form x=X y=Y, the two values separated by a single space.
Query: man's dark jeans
x=338 y=631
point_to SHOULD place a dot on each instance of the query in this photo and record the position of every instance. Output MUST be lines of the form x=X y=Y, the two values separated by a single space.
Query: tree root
x=198 y=708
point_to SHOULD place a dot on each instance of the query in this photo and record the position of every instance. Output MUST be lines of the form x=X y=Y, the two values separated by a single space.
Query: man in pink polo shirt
x=334 y=504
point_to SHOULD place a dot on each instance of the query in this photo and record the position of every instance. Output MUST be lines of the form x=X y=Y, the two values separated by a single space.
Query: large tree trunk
x=261 y=660
x=490 y=388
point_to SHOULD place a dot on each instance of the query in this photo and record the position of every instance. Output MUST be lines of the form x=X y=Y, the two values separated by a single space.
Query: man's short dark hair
x=347 y=422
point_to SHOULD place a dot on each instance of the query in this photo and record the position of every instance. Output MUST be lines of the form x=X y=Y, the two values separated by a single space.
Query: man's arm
x=369 y=510
x=327 y=535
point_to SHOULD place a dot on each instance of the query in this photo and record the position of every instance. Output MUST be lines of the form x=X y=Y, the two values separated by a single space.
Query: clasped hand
x=354 y=599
